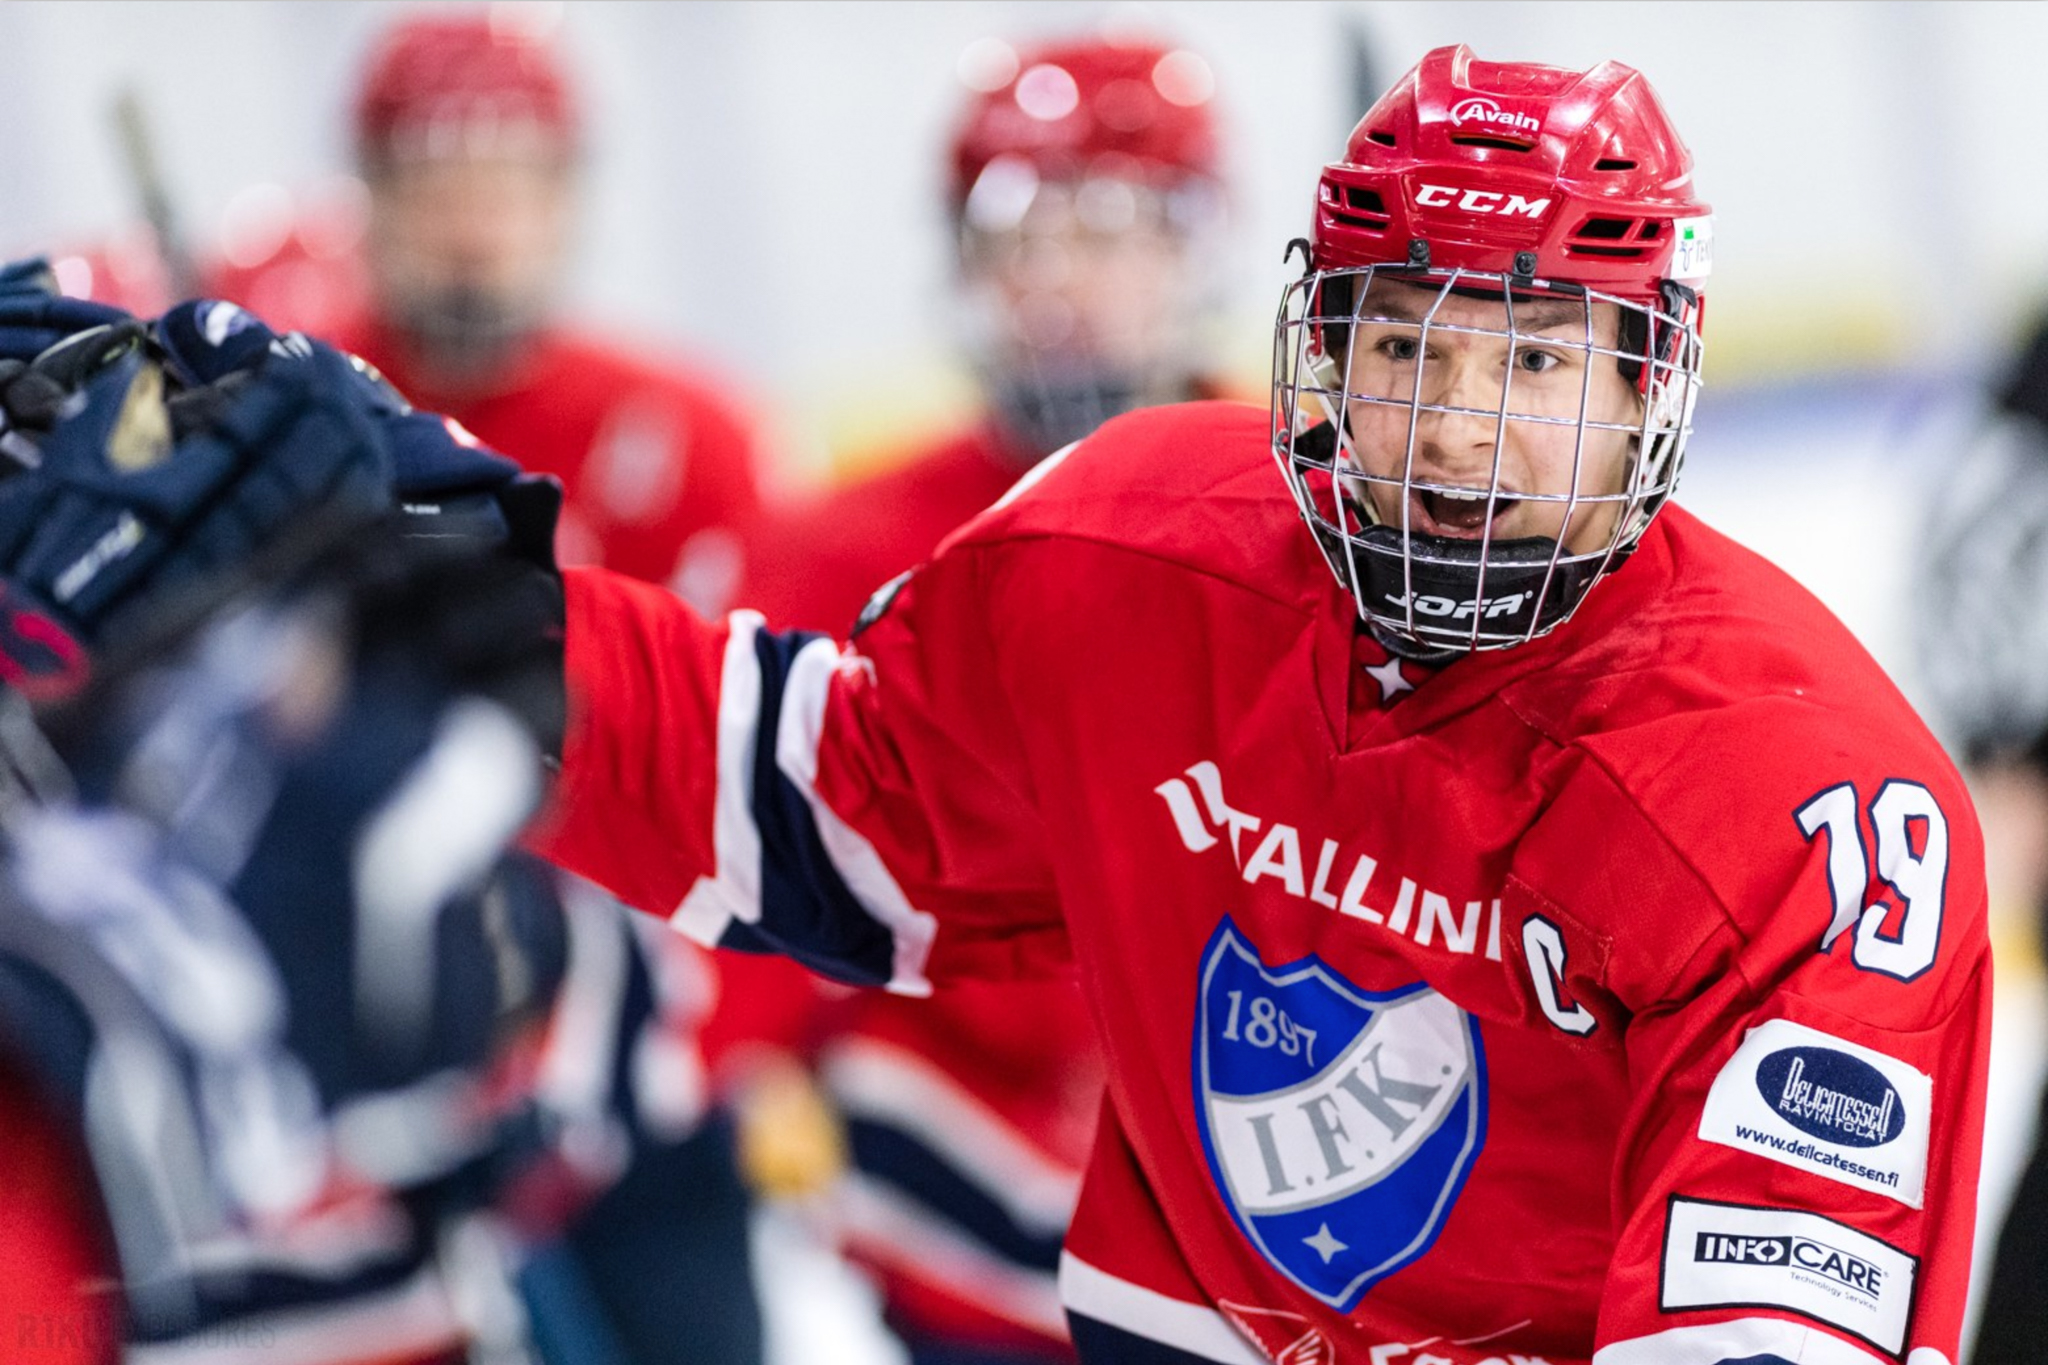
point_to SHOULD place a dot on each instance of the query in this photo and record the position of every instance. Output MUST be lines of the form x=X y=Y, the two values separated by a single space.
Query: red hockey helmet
x=1078 y=109
x=436 y=85
x=1514 y=168
x=1484 y=188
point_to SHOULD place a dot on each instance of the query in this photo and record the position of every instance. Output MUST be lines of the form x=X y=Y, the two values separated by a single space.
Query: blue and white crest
x=1340 y=1124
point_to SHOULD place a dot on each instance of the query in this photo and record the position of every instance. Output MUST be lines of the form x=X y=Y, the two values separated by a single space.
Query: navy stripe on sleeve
x=807 y=910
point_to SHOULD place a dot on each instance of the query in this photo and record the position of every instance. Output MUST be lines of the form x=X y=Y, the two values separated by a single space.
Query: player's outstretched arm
x=856 y=806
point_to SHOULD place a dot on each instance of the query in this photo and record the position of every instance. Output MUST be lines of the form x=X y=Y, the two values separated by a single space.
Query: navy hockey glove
x=35 y=317
x=36 y=322
x=143 y=490
x=450 y=487
x=452 y=493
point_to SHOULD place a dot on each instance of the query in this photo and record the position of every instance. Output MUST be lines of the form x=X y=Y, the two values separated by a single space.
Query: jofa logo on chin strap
x=1425 y=605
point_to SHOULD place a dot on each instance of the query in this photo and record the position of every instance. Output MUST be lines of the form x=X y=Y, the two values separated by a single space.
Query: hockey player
x=1080 y=218
x=1084 y=192
x=1552 y=937
x=266 y=1047
x=468 y=139
x=1521 y=924
x=297 y=1065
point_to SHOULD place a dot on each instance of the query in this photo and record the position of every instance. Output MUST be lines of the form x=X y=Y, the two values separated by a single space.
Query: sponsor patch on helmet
x=1692 y=257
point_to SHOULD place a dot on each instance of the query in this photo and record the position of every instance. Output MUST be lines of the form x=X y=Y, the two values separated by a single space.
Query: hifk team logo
x=1340 y=1124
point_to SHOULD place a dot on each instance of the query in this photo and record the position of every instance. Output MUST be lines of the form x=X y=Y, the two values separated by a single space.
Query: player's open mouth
x=1462 y=514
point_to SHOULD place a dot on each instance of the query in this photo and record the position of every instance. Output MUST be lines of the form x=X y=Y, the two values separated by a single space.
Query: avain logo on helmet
x=1482 y=110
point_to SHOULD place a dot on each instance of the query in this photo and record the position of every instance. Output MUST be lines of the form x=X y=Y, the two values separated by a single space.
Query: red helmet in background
x=1502 y=189
x=1517 y=169
x=1085 y=184
x=1071 y=110
x=438 y=85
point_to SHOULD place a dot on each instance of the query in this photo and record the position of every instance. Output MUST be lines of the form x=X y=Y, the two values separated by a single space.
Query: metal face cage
x=1404 y=397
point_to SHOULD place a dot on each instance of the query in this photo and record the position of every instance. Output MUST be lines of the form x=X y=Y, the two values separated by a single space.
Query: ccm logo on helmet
x=1479 y=109
x=1479 y=201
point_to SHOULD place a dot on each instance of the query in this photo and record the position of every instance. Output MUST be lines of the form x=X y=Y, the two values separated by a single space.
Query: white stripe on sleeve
x=734 y=892
x=1192 y=1327
x=1715 y=1342
x=804 y=694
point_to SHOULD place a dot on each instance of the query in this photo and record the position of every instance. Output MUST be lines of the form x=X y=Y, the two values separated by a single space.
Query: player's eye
x=1537 y=362
x=1399 y=347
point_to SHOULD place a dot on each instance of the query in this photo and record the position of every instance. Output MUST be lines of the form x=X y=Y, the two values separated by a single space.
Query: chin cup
x=1449 y=596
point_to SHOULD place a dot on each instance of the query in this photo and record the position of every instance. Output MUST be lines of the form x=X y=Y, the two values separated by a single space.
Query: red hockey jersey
x=1623 y=995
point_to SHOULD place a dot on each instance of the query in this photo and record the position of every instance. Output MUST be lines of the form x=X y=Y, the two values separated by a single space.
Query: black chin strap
x=1446 y=593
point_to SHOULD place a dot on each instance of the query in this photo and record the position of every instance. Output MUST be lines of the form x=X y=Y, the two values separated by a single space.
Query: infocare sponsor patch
x=1692 y=256
x=1808 y=1099
x=1740 y=1256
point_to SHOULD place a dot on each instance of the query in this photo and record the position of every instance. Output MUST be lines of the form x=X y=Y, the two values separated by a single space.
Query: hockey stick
x=145 y=176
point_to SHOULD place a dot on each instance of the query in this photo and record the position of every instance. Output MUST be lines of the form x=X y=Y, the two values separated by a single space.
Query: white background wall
x=766 y=178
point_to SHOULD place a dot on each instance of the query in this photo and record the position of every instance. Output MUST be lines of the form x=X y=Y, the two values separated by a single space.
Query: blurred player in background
x=469 y=139
x=1085 y=203
x=1983 y=653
